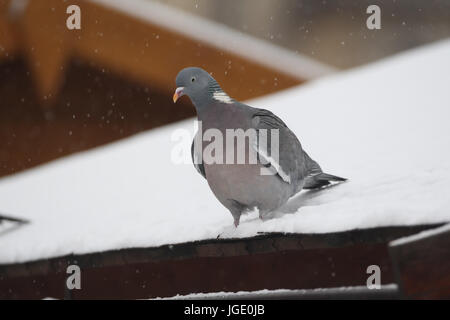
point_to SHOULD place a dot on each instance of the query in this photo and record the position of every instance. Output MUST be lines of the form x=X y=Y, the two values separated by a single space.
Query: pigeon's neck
x=213 y=98
x=217 y=94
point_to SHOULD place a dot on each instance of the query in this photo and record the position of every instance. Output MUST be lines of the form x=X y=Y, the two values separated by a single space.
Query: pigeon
x=244 y=186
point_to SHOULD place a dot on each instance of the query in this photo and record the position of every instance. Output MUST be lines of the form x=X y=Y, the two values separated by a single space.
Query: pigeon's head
x=198 y=85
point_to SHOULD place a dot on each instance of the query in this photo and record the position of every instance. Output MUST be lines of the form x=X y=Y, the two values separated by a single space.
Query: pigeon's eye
x=192 y=79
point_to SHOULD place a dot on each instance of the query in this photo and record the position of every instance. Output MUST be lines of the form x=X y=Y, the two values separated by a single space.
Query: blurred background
x=64 y=91
x=332 y=31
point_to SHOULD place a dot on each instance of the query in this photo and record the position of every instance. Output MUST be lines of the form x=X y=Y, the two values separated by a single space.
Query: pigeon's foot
x=266 y=215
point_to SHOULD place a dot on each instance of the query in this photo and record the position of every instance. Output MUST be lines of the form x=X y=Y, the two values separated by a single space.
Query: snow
x=8 y=226
x=421 y=235
x=383 y=126
x=279 y=293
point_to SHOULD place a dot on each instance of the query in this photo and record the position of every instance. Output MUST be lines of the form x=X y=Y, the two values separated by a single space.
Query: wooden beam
x=422 y=264
x=269 y=261
x=45 y=44
x=8 y=37
x=154 y=55
x=142 y=48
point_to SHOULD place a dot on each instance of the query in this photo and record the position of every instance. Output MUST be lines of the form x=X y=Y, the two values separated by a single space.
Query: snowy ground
x=278 y=293
x=384 y=126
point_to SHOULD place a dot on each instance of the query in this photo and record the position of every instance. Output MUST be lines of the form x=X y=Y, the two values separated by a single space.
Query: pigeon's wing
x=291 y=165
x=195 y=160
x=294 y=165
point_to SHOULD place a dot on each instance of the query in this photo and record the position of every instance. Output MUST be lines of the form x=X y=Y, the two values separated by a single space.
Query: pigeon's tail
x=320 y=180
x=316 y=178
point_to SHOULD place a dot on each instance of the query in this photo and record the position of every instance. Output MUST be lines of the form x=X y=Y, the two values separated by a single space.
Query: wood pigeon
x=268 y=182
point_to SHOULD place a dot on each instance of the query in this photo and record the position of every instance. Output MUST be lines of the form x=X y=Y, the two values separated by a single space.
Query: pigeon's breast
x=242 y=182
x=245 y=183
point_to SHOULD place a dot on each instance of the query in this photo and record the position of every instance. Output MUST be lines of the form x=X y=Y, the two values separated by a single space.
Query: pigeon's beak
x=178 y=93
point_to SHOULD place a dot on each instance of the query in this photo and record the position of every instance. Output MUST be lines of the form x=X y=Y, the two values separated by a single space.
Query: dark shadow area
x=93 y=107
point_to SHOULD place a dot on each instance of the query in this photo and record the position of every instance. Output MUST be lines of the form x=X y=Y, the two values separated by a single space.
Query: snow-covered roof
x=384 y=126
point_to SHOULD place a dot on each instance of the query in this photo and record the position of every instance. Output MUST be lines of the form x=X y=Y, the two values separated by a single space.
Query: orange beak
x=178 y=93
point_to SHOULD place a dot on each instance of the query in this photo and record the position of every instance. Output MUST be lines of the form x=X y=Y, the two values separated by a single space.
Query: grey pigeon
x=242 y=187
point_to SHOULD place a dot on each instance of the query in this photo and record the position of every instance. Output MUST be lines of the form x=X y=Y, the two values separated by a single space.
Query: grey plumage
x=199 y=166
x=241 y=187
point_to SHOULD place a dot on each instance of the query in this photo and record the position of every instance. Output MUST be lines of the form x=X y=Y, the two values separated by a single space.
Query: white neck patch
x=222 y=97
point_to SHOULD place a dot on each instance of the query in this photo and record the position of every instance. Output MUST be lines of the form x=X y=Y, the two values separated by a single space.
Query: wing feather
x=291 y=166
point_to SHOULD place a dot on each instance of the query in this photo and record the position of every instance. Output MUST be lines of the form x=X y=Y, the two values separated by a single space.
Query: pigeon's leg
x=236 y=208
x=265 y=214
x=236 y=216
x=236 y=220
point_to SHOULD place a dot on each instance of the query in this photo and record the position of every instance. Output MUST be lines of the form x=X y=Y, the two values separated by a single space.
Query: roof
x=383 y=126
x=145 y=42
x=267 y=261
x=206 y=31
